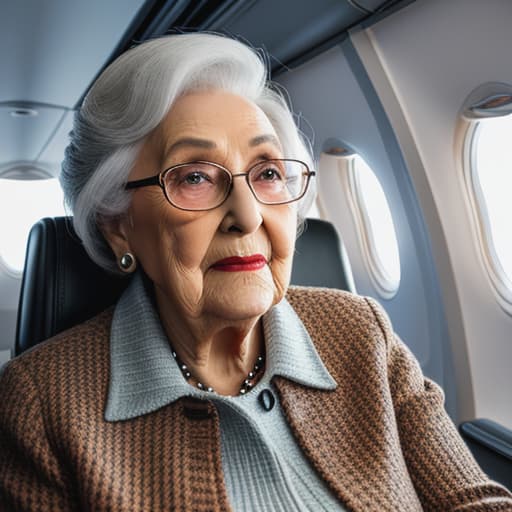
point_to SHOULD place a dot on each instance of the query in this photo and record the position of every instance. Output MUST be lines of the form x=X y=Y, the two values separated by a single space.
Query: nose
x=243 y=210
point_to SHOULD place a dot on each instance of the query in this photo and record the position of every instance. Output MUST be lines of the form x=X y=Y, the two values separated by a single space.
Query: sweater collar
x=144 y=375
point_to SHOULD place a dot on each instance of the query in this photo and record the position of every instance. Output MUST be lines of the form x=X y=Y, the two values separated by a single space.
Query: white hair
x=130 y=99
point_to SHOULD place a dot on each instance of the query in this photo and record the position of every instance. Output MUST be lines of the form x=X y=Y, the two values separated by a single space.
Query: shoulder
x=337 y=306
x=86 y=341
x=308 y=293
x=337 y=318
x=326 y=302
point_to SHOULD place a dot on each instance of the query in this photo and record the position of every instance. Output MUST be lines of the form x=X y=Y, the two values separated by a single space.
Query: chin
x=240 y=301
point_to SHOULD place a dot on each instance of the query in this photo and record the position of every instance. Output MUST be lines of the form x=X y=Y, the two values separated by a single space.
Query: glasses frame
x=158 y=179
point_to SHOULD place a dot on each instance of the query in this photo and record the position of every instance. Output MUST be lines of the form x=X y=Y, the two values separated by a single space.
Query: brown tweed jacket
x=381 y=440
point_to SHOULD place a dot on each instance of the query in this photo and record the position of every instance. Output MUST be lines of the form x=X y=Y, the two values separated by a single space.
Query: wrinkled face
x=180 y=250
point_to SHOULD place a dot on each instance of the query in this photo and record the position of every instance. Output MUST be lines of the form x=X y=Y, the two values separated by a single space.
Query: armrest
x=491 y=444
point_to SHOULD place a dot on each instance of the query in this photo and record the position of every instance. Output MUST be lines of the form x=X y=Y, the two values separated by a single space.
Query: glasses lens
x=278 y=181
x=196 y=186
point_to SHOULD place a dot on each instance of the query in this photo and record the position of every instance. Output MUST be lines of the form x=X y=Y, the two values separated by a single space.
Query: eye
x=269 y=173
x=195 y=178
x=193 y=175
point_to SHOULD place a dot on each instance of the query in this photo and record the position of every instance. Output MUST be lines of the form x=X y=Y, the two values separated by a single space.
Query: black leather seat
x=62 y=286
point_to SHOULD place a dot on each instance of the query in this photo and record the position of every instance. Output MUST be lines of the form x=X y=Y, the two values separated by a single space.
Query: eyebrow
x=262 y=139
x=191 y=142
x=209 y=144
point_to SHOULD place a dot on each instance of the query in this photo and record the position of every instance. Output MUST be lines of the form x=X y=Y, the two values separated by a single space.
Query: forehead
x=217 y=116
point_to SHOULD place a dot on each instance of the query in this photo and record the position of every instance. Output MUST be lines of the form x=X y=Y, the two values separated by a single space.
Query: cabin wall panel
x=8 y=331
x=434 y=53
x=9 y=296
x=329 y=96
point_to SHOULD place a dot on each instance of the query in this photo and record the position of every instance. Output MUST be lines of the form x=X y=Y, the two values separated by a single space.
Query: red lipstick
x=240 y=263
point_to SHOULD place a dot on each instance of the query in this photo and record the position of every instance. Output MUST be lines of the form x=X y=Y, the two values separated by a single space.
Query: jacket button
x=267 y=399
x=196 y=409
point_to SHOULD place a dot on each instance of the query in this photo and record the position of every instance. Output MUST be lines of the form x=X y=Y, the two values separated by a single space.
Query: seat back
x=62 y=286
x=319 y=260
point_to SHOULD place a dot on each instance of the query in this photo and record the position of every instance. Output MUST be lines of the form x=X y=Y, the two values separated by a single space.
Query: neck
x=218 y=353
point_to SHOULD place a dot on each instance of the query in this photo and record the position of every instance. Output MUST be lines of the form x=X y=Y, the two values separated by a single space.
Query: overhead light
x=335 y=147
x=24 y=112
x=492 y=99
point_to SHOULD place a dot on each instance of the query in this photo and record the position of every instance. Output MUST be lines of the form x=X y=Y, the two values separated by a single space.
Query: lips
x=240 y=263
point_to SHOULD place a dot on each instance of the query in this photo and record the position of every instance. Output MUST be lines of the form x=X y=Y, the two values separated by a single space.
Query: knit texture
x=381 y=440
x=264 y=469
x=263 y=466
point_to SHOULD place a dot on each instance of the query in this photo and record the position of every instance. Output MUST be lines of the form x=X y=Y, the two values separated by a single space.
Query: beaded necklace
x=246 y=386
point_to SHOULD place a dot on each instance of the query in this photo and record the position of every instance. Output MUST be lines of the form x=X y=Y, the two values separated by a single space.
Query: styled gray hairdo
x=130 y=99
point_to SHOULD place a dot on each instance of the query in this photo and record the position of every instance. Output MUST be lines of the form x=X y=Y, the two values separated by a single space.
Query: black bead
x=267 y=399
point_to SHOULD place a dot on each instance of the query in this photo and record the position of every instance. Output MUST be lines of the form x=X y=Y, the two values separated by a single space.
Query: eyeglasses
x=202 y=185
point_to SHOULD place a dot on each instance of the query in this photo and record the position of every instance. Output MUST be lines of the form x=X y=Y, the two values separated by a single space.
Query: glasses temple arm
x=145 y=182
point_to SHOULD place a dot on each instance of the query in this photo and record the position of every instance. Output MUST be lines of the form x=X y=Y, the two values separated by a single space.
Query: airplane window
x=491 y=181
x=378 y=237
x=314 y=211
x=22 y=204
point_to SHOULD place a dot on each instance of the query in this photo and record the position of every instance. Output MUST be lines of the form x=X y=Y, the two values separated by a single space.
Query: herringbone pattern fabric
x=381 y=440
x=58 y=453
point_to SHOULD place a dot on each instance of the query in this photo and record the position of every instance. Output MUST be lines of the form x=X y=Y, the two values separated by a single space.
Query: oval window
x=22 y=204
x=491 y=185
x=314 y=211
x=376 y=229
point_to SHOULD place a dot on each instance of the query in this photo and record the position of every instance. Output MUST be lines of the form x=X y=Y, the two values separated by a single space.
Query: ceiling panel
x=52 y=155
x=23 y=138
x=51 y=50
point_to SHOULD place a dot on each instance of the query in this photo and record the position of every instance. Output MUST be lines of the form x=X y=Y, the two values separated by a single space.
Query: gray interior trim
x=491 y=445
x=490 y=434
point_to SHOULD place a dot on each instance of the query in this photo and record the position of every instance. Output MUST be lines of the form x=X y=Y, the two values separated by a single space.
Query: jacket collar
x=145 y=377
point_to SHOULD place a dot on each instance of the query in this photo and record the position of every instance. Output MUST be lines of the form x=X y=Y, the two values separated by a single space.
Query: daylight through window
x=377 y=230
x=492 y=182
x=22 y=204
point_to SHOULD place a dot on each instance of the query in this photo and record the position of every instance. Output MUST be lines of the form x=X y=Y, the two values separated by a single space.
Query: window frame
x=501 y=285
x=380 y=279
x=22 y=172
x=5 y=268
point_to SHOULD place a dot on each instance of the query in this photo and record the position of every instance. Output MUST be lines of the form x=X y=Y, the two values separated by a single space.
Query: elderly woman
x=212 y=385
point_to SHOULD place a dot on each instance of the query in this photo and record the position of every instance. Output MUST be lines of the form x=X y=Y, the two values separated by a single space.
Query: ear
x=115 y=230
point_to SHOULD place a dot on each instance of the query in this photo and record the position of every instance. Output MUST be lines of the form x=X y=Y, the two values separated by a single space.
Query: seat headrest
x=62 y=286
x=319 y=260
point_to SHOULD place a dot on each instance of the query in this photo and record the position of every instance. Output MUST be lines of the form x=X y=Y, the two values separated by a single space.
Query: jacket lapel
x=352 y=450
x=350 y=433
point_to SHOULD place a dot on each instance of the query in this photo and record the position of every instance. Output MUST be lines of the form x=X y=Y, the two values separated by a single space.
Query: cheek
x=145 y=237
x=169 y=243
x=281 y=225
x=282 y=228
